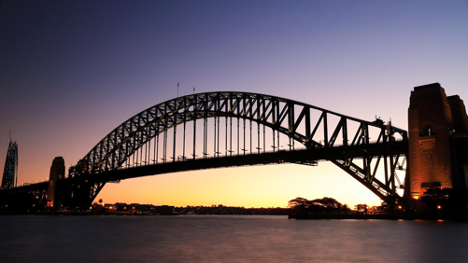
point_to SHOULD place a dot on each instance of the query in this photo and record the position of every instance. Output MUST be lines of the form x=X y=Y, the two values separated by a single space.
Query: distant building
x=10 y=174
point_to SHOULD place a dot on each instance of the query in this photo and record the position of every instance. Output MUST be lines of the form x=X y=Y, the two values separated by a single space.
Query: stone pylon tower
x=10 y=173
x=433 y=121
x=57 y=172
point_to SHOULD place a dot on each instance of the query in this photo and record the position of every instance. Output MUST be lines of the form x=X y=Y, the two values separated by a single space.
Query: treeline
x=230 y=210
x=329 y=205
x=147 y=209
x=324 y=205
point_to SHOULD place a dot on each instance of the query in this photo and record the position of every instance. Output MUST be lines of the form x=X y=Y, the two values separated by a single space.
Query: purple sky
x=71 y=71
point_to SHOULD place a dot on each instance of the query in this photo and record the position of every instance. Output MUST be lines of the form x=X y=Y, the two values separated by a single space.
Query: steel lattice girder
x=273 y=112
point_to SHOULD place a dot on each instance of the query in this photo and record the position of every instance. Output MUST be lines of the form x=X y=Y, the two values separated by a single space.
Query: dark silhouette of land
x=435 y=204
x=145 y=209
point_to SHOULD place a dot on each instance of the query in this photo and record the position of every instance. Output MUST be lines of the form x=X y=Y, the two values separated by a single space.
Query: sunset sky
x=72 y=71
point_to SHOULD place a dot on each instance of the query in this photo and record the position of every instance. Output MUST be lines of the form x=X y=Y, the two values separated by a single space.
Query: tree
x=361 y=208
x=298 y=202
x=326 y=204
x=344 y=208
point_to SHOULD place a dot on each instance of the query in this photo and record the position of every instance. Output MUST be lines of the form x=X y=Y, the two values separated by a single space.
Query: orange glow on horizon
x=252 y=186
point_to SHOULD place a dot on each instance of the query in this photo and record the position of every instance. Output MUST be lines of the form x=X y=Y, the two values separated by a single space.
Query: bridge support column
x=433 y=119
x=80 y=195
x=57 y=172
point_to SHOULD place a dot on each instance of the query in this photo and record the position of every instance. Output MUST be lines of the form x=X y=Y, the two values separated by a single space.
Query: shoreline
x=455 y=217
x=452 y=217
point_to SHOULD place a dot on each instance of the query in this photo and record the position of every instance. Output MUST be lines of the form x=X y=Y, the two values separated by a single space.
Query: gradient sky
x=72 y=71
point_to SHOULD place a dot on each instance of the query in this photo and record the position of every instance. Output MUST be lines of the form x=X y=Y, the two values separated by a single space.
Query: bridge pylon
x=54 y=192
x=437 y=128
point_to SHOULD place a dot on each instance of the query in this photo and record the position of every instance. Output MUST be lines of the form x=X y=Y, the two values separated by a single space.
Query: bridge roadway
x=305 y=156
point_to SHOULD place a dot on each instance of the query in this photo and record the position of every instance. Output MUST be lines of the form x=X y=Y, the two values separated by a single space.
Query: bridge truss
x=234 y=124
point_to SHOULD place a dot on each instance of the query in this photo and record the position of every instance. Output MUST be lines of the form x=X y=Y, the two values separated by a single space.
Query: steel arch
x=277 y=113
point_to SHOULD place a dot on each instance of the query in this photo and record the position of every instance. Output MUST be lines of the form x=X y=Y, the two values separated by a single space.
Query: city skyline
x=72 y=72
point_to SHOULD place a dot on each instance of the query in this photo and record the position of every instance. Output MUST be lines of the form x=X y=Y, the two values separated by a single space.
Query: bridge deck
x=309 y=156
x=295 y=156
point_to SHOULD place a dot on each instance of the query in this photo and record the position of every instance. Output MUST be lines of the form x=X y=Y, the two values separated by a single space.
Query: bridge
x=226 y=129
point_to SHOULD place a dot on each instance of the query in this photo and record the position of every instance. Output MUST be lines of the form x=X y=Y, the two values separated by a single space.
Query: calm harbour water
x=228 y=239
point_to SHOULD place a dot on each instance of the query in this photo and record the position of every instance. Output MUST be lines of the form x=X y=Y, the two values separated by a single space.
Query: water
x=228 y=239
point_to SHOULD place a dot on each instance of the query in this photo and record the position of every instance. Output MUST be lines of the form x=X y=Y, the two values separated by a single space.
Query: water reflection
x=228 y=239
